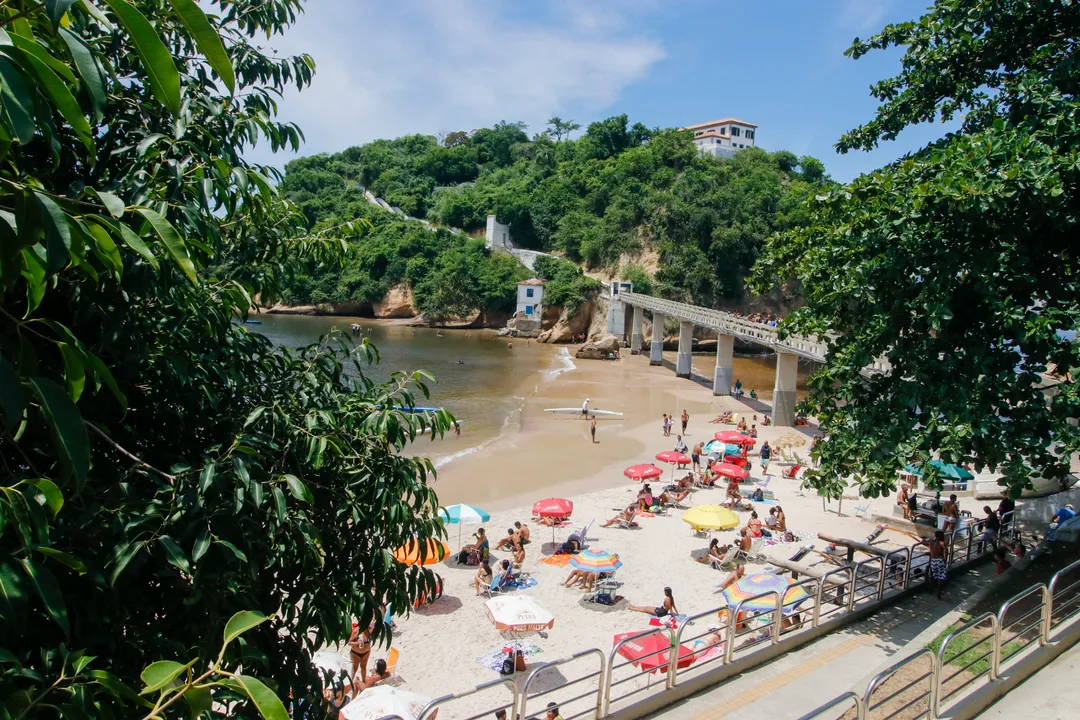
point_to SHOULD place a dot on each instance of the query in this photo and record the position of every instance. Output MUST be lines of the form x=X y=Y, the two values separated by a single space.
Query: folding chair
x=730 y=559
x=499 y=581
x=391 y=667
x=864 y=508
x=790 y=472
x=754 y=553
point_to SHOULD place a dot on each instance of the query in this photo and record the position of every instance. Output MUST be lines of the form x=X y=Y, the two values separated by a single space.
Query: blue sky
x=433 y=66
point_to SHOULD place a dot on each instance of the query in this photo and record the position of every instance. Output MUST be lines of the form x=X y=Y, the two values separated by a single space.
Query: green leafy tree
x=163 y=468
x=957 y=263
x=561 y=129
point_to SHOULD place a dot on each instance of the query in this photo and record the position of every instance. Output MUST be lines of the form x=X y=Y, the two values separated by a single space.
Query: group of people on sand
x=517 y=537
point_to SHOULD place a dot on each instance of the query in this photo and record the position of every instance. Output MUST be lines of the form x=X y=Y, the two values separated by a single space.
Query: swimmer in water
x=510 y=346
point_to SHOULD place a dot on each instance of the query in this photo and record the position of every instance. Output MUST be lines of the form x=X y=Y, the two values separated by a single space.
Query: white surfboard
x=577 y=411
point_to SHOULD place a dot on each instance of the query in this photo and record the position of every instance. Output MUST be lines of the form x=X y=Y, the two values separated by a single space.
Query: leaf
x=66 y=424
x=241 y=622
x=269 y=705
x=66 y=558
x=255 y=414
x=156 y=58
x=298 y=489
x=93 y=78
x=206 y=476
x=89 y=6
x=57 y=8
x=102 y=372
x=105 y=248
x=158 y=675
x=133 y=241
x=207 y=39
x=174 y=554
x=64 y=101
x=146 y=142
x=57 y=232
x=202 y=544
x=279 y=504
x=34 y=272
x=12 y=594
x=113 y=204
x=235 y=550
x=74 y=371
x=174 y=244
x=31 y=47
x=13 y=396
x=16 y=102
x=199 y=700
x=49 y=592
x=121 y=556
x=53 y=497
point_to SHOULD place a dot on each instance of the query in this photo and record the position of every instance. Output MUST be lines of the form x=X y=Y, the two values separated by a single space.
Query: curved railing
x=595 y=683
x=989 y=644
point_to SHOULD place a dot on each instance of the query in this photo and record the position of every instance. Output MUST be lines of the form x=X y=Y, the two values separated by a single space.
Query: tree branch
x=128 y=455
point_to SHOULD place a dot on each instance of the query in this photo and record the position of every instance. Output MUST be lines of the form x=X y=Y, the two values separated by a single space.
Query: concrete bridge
x=727 y=328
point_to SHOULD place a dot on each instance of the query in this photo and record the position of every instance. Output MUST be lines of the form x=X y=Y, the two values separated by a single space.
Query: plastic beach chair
x=729 y=561
x=499 y=581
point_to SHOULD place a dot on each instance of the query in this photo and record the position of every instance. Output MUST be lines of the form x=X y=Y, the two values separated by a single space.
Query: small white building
x=530 y=297
x=721 y=138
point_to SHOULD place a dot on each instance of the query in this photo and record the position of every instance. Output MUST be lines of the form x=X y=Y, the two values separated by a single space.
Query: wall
x=524 y=301
x=497 y=234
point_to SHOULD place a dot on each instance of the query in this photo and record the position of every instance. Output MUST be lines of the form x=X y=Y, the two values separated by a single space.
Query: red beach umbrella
x=673 y=457
x=731 y=437
x=730 y=470
x=651 y=652
x=555 y=508
x=642 y=472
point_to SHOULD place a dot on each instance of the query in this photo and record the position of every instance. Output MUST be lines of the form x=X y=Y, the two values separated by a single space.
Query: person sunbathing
x=686 y=482
x=724 y=417
x=668 y=608
x=482 y=579
x=670 y=497
x=741 y=427
x=715 y=553
x=753 y=525
x=626 y=515
x=579 y=576
x=378 y=677
x=523 y=532
x=645 y=498
x=731 y=578
x=518 y=551
x=510 y=540
x=705 y=642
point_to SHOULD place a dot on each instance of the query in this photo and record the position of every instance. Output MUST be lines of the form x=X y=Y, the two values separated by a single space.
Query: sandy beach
x=441 y=645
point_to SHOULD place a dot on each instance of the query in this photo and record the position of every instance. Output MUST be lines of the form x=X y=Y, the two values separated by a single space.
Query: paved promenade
x=1049 y=694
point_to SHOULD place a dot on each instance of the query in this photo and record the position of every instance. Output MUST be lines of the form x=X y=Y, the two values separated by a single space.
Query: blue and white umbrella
x=463 y=515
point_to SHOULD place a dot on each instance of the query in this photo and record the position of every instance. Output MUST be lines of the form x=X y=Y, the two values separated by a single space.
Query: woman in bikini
x=626 y=515
x=668 y=608
x=482 y=579
x=754 y=525
x=715 y=553
x=360 y=650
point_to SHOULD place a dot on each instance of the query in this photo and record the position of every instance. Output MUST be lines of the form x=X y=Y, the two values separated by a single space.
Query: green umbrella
x=947 y=470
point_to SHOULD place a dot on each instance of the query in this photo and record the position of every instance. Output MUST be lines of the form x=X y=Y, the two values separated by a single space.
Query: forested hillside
x=599 y=200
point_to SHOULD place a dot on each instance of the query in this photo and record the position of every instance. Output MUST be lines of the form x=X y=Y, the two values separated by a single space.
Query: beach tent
x=463 y=515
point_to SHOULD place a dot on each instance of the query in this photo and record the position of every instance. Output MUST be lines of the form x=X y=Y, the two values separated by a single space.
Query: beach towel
x=556 y=560
x=521 y=583
x=494 y=659
x=671 y=621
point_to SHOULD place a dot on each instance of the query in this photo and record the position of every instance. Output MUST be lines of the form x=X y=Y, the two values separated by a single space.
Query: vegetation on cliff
x=616 y=191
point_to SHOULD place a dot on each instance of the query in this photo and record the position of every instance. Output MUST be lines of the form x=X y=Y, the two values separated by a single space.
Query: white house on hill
x=530 y=297
x=721 y=138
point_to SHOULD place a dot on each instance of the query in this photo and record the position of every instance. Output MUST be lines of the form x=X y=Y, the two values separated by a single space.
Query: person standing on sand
x=664 y=425
x=685 y=420
x=939 y=569
x=766 y=453
x=585 y=408
x=592 y=429
x=695 y=455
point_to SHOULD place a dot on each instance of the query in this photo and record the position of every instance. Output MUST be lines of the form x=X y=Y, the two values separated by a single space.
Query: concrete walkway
x=1053 y=692
x=798 y=682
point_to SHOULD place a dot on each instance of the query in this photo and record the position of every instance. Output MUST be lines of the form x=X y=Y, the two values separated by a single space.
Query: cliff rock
x=522 y=325
x=398 y=303
x=565 y=329
x=600 y=348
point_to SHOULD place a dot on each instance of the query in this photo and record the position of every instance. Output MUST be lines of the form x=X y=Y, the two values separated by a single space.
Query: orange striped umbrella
x=427 y=552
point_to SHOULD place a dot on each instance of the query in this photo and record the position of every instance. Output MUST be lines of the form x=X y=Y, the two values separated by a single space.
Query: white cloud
x=430 y=66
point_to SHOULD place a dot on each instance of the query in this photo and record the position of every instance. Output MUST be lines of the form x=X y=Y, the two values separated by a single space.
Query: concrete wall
x=497 y=234
x=524 y=302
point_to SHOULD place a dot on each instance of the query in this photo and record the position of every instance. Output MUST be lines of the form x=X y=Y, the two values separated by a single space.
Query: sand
x=439 y=645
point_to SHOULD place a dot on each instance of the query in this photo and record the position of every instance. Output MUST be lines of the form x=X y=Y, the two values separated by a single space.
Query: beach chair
x=582 y=535
x=790 y=472
x=729 y=561
x=864 y=508
x=499 y=581
x=754 y=553
x=763 y=483
x=630 y=524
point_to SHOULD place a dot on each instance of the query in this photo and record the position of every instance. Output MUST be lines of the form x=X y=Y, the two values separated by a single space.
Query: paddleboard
x=577 y=411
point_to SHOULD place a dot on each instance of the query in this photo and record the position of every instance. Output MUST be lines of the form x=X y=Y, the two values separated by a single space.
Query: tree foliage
x=617 y=190
x=958 y=262
x=163 y=468
x=565 y=284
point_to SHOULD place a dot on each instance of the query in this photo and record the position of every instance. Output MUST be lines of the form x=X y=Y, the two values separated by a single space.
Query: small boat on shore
x=577 y=411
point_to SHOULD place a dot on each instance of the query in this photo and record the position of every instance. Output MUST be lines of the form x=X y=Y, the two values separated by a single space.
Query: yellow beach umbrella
x=710 y=517
x=790 y=440
x=428 y=552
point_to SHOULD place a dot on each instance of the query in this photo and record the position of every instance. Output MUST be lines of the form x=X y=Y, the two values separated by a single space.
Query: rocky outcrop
x=398 y=303
x=522 y=325
x=477 y=319
x=600 y=348
x=567 y=327
x=353 y=309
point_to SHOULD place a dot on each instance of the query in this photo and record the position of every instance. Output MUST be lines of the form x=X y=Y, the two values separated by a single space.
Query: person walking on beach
x=766 y=453
x=685 y=420
x=668 y=608
x=939 y=569
x=695 y=455
x=665 y=427
x=738 y=388
x=592 y=429
x=585 y=408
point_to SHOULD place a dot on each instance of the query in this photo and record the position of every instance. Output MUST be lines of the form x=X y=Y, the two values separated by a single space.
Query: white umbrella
x=330 y=660
x=518 y=614
x=462 y=514
x=383 y=700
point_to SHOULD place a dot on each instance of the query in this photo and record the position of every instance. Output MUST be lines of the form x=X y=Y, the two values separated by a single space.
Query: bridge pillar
x=656 y=350
x=637 y=330
x=686 y=348
x=616 y=319
x=787 y=377
x=725 y=365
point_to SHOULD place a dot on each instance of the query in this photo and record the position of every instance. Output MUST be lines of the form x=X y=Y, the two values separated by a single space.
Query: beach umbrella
x=715 y=446
x=730 y=470
x=427 y=552
x=673 y=458
x=383 y=700
x=463 y=515
x=790 y=440
x=643 y=472
x=330 y=660
x=651 y=652
x=710 y=517
x=555 y=508
x=597 y=561
x=751 y=585
x=518 y=614
x=733 y=438
x=946 y=470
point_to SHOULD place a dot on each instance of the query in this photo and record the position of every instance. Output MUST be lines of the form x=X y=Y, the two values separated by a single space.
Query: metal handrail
x=524 y=694
x=850 y=569
x=611 y=665
x=942 y=661
x=732 y=629
x=887 y=672
x=860 y=711
x=1052 y=591
x=431 y=707
x=673 y=668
